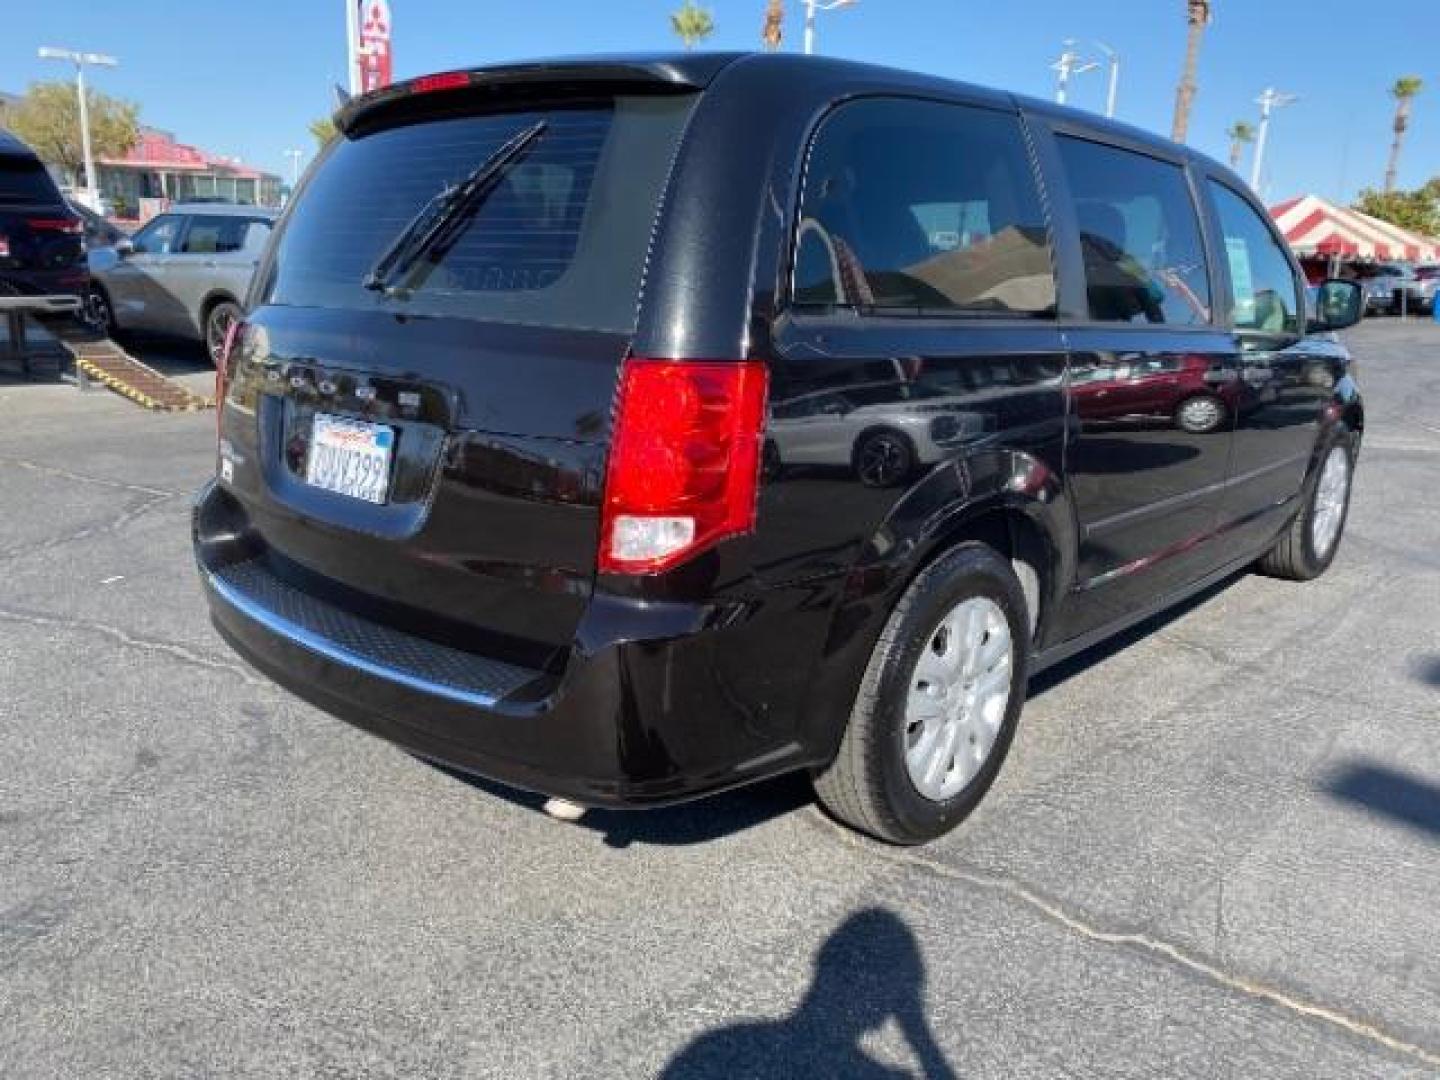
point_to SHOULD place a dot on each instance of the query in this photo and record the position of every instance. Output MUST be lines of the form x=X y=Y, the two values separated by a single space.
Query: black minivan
x=632 y=428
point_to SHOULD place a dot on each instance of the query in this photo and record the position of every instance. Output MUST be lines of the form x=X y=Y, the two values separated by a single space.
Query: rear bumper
x=599 y=733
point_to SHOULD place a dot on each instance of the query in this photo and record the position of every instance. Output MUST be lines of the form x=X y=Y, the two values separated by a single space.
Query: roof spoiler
x=639 y=75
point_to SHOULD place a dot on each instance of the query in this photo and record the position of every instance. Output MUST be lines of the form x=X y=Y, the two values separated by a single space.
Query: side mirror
x=124 y=247
x=1338 y=304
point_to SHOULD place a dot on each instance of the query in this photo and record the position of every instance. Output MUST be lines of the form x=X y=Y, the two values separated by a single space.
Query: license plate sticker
x=350 y=457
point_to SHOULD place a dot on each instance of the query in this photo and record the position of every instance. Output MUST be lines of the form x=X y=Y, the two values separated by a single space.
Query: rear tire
x=1308 y=546
x=883 y=459
x=872 y=783
x=1201 y=414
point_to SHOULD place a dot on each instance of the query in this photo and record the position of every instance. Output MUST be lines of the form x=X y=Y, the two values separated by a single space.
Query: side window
x=914 y=207
x=1144 y=260
x=1265 y=298
x=159 y=237
x=215 y=235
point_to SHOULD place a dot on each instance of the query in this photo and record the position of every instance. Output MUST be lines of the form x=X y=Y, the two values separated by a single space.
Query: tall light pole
x=1270 y=100
x=294 y=156
x=811 y=7
x=1112 y=60
x=1069 y=63
x=81 y=60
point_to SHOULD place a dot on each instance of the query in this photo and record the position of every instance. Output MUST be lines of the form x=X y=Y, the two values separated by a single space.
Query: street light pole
x=81 y=60
x=1270 y=100
x=352 y=47
x=1112 y=58
x=1069 y=64
x=294 y=156
x=811 y=7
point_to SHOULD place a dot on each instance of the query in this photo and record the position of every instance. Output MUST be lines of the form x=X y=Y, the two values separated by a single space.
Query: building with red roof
x=159 y=171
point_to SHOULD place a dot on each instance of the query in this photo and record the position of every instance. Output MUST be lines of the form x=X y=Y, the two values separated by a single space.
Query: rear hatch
x=426 y=446
x=41 y=248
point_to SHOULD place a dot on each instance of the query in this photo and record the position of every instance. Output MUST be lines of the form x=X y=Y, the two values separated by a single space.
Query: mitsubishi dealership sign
x=369 y=36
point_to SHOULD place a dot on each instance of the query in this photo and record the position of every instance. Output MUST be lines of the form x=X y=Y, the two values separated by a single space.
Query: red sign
x=373 y=18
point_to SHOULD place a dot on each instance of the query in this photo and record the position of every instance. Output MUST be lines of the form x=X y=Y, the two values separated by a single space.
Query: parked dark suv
x=42 y=249
x=490 y=462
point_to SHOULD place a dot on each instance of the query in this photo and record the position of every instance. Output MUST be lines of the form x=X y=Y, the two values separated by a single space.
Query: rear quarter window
x=924 y=208
x=560 y=240
x=24 y=180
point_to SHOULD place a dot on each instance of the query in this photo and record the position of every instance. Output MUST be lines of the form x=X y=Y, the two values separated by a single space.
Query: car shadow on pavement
x=1053 y=676
x=869 y=974
x=1393 y=794
x=695 y=822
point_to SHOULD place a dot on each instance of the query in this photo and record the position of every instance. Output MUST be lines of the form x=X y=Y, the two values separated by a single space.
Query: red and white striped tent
x=1316 y=228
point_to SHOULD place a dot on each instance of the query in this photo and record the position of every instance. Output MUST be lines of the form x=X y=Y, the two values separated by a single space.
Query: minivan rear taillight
x=684 y=468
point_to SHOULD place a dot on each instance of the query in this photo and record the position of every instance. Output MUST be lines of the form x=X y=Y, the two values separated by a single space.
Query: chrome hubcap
x=957 y=698
x=1201 y=413
x=1331 y=493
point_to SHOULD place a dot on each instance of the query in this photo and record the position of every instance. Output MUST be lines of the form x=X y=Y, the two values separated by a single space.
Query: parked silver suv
x=185 y=273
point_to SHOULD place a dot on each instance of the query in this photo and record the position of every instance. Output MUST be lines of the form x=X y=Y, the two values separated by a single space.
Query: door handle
x=210 y=264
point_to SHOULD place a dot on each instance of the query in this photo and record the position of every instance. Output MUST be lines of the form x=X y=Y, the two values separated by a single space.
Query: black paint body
x=745 y=661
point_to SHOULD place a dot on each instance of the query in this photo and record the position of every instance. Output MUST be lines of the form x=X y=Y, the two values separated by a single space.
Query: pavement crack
x=66 y=474
x=115 y=524
x=168 y=649
x=1164 y=951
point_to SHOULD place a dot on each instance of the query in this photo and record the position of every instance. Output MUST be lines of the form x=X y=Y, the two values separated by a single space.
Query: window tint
x=24 y=180
x=1263 y=284
x=160 y=236
x=559 y=240
x=215 y=235
x=1144 y=261
x=922 y=207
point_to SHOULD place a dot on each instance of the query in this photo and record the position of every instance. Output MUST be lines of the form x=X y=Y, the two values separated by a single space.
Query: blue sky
x=245 y=78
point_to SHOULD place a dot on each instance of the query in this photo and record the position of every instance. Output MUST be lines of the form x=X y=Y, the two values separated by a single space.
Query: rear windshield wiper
x=439 y=222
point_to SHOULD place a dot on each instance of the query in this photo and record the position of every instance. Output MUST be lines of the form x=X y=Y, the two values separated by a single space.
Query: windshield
x=559 y=239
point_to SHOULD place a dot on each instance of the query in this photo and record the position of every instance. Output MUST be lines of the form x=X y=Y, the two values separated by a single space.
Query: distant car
x=1380 y=296
x=1419 y=286
x=185 y=273
x=42 y=253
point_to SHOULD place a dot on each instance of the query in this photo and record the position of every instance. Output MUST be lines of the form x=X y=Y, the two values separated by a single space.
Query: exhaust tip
x=564 y=810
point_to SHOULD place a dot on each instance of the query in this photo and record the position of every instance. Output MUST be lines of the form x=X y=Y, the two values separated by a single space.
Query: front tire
x=1308 y=546
x=218 y=321
x=938 y=705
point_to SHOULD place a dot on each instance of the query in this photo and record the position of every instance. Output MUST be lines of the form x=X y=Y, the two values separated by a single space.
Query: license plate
x=350 y=457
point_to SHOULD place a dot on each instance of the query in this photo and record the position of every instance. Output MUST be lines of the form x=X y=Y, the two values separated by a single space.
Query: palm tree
x=1240 y=133
x=1197 y=17
x=773 y=29
x=693 y=24
x=1403 y=92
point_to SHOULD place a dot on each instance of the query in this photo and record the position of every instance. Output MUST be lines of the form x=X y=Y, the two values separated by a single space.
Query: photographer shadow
x=868 y=973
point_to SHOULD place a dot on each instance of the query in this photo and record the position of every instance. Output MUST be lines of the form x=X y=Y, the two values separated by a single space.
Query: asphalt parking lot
x=1215 y=848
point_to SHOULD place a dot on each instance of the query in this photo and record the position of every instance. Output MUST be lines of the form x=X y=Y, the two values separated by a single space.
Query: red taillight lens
x=74 y=226
x=446 y=80
x=684 y=467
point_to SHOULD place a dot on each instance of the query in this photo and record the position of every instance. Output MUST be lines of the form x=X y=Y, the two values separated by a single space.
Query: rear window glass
x=24 y=180
x=560 y=240
x=919 y=207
